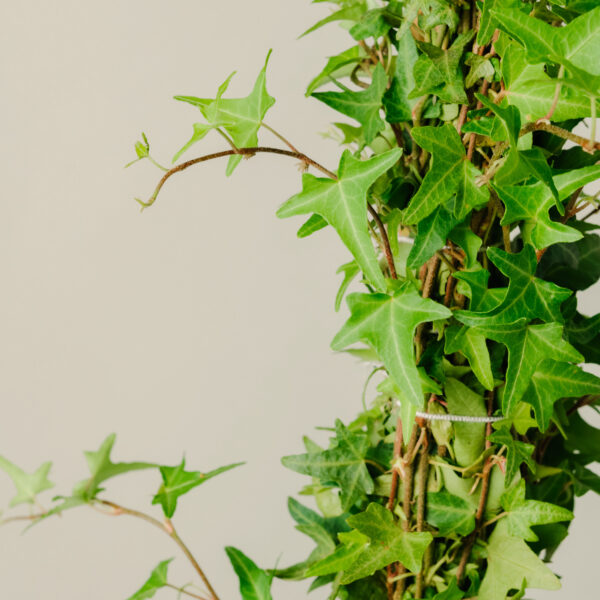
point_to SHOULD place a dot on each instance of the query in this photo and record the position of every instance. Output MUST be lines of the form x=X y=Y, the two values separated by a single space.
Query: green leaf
x=516 y=452
x=471 y=344
x=450 y=514
x=200 y=131
x=469 y=437
x=522 y=514
x=452 y=592
x=353 y=12
x=388 y=543
x=363 y=106
x=343 y=464
x=313 y=224
x=343 y=204
x=469 y=242
x=398 y=107
x=102 y=468
x=350 y=271
x=449 y=173
x=28 y=485
x=510 y=563
x=177 y=482
x=353 y=545
x=388 y=324
x=156 y=581
x=255 y=584
x=575 y=265
x=241 y=118
x=526 y=296
x=553 y=380
x=432 y=233
x=339 y=65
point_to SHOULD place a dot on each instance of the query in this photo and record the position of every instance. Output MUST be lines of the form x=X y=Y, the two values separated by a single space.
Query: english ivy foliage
x=469 y=137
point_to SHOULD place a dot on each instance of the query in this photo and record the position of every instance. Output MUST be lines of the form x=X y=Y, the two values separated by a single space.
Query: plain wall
x=200 y=326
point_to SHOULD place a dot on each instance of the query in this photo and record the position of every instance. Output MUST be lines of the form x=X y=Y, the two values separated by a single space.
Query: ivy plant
x=460 y=195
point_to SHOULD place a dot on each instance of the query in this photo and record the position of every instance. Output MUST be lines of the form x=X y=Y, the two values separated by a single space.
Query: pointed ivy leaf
x=576 y=265
x=353 y=545
x=353 y=12
x=516 y=452
x=241 y=118
x=388 y=543
x=398 y=106
x=372 y=24
x=432 y=233
x=450 y=514
x=528 y=346
x=469 y=437
x=469 y=242
x=553 y=380
x=527 y=296
x=452 y=592
x=482 y=298
x=522 y=514
x=28 y=485
x=102 y=468
x=313 y=224
x=388 y=324
x=471 y=344
x=350 y=271
x=510 y=563
x=200 y=131
x=177 y=482
x=338 y=65
x=343 y=464
x=255 y=584
x=156 y=581
x=363 y=106
x=469 y=195
x=442 y=179
x=343 y=204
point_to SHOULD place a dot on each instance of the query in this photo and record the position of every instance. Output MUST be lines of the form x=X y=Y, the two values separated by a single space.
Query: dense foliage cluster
x=460 y=197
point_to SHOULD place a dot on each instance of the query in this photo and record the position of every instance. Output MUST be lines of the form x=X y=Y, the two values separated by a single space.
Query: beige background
x=201 y=326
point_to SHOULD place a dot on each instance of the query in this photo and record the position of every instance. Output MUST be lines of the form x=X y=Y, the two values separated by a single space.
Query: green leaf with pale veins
x=450 y=514
x=255 y=584
x=510 y=563
x=398 y=106
x=469 y=438
x=388 y=543
x=471 y=344
x=28 y=485
x=522 y=514
x=432 y=233
x=102 y=468
x=343 y=464
x=177 y=482
x=388 y=324
x=528 y=346
x=449 y=173
x=553 y=380
x=517 y=453
x=156 y=581
x=353 y=12
x=482 y=298
x=343 y=204
x=241 y=118
x=337 y=66
x=352 y=545
x=363 y=106
x=526 y=296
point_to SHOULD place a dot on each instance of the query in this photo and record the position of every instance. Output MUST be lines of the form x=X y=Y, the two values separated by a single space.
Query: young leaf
x=177 y=482
x=28 y=485
x=255 y=584
x=156 y=581
x=343 y=204
x=363 y=106
x=527 y=296
x=510 y=563
x=522 y=514
x=102 y=468
x=338 y=65
x=388 y=324
x=350 y=271
x=241 y=118
x=516 y=452
x=353 y=12
x=343 y=464
x=471 y=344
x=388 y=543
x=450 y=514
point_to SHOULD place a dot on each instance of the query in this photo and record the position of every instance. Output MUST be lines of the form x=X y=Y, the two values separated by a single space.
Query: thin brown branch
x=588 y=145
x=422 y=473
x=386 y=241
x=248 y=152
